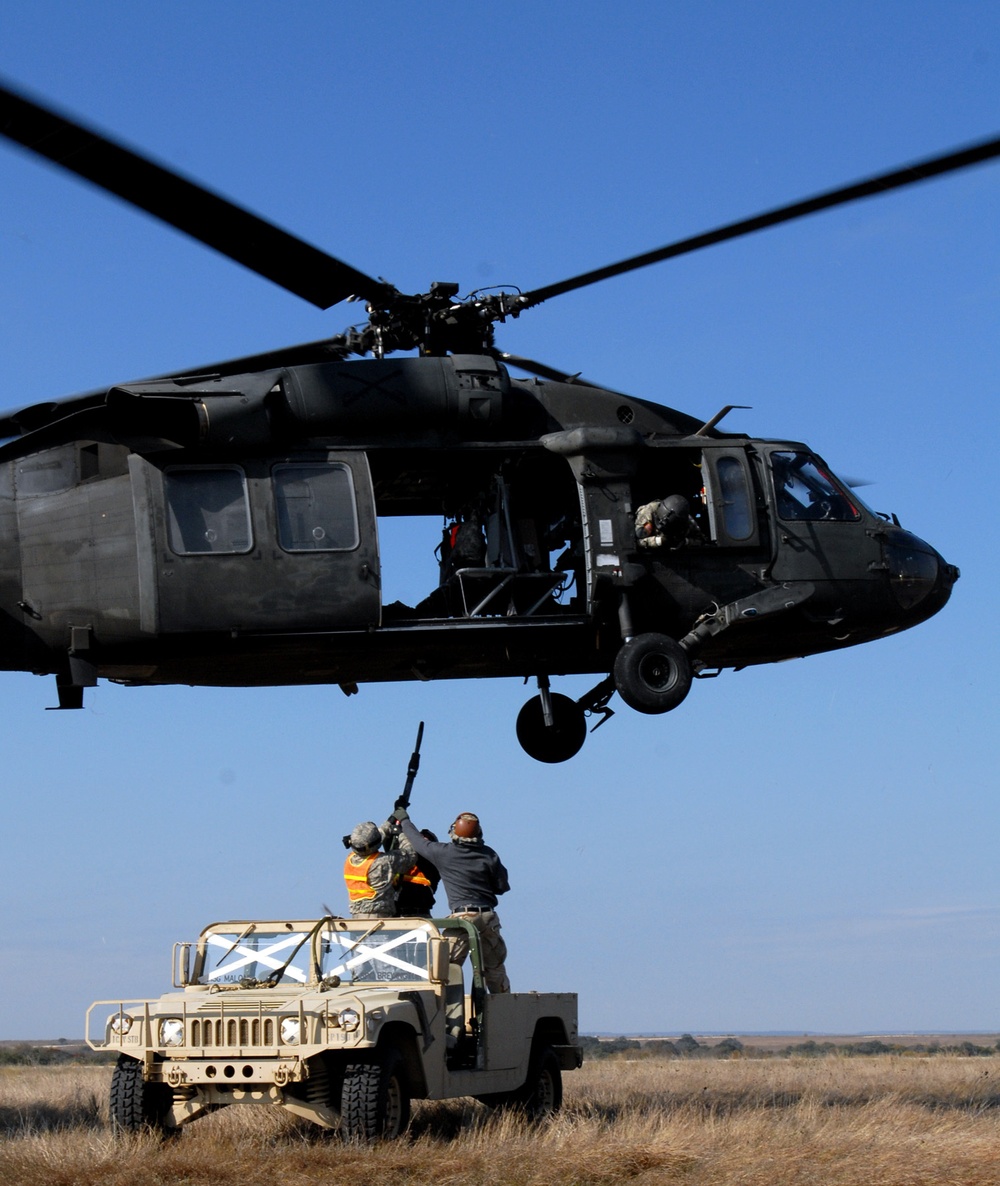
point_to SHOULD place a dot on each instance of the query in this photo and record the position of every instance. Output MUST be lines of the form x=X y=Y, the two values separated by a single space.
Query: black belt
x=473 y=910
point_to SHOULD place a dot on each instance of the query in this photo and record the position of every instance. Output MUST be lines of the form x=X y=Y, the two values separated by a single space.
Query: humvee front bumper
x=230 y=1072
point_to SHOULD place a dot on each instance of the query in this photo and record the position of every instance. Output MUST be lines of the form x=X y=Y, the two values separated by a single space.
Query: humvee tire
x=375 y=1099
x=541 y=1094
x=136 y=1105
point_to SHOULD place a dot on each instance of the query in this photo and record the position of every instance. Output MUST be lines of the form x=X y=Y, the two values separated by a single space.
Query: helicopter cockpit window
x=806 y=490
x=315 y=508
x=207 y=510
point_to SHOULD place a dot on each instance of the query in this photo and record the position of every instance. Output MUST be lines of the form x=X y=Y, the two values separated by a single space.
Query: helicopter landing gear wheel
x=652 y=673
x=556 y=742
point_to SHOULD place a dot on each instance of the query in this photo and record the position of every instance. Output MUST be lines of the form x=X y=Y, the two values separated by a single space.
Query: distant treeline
x=687 y=1046
x=62 y=1053
x=65 y=1053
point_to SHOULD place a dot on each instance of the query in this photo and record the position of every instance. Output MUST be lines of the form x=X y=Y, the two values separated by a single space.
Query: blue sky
x=807 y=846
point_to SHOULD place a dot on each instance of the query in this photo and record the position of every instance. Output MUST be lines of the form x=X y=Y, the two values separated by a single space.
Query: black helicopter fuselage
x=223 y=527
x=225 y=531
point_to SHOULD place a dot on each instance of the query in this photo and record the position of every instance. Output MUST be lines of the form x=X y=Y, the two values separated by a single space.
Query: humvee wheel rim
x=546 y=1093
x=394 y=1108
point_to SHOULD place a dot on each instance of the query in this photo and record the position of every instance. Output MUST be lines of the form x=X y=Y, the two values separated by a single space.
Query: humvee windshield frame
x=355 y=951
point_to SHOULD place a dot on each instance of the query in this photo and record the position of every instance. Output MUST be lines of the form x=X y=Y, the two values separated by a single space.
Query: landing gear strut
x=652 y=674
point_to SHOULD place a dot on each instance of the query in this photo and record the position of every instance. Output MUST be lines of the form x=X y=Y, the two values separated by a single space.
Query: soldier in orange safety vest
x=371 y=876
x=415 y=897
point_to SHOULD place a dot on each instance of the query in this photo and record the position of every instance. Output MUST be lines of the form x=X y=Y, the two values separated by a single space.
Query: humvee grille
x=231 y=1031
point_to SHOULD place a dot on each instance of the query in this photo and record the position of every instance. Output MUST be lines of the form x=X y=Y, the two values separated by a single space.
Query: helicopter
x=219 y=526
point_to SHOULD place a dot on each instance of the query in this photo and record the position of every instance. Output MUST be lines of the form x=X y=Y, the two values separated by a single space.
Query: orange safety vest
x=356 y=876
x=416 y=876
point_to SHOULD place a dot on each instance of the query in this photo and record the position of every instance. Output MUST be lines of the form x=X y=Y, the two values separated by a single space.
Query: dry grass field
x=896 y=1120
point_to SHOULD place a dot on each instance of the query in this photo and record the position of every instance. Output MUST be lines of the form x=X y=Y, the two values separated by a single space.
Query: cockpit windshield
x=366 y=954
x=806 y=490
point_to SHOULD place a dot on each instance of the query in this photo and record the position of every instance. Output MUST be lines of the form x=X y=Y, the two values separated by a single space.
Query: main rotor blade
x=302 y=354
x=213 y=220
x=880 y=184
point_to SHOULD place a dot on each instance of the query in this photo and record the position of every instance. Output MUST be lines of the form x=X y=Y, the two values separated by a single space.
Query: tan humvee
x=342 y=1021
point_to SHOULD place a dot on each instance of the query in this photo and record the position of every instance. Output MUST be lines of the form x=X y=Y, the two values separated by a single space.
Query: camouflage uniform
x=647 y=514
x=374 y=874
x=665 y=523
x=491 y=945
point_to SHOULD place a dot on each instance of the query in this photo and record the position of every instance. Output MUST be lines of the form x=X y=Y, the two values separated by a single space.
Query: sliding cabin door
x=277 y=544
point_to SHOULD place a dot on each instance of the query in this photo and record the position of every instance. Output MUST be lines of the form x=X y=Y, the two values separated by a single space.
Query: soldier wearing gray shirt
x=473 y=877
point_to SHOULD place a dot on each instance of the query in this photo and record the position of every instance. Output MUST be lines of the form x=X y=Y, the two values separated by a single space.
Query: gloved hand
x=400 y=802
x=400 y=813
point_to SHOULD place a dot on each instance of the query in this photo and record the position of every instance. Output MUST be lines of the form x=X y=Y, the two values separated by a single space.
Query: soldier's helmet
x=673 y=512
x=466 y=829
x=366 y=838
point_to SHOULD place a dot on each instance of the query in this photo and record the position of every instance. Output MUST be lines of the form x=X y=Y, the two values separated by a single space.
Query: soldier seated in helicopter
x=666 y=523
x=463 y=544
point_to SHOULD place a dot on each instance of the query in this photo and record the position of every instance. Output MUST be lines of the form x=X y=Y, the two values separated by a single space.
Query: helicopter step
x=773 y=600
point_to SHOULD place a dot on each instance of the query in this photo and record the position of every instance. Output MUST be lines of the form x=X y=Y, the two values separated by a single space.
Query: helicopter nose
x=919 y=578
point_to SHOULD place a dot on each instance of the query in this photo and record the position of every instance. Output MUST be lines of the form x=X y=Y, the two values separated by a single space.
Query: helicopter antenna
x=707 y=427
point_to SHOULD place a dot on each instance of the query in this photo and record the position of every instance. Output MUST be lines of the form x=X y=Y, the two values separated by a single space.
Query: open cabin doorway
x=481 y=535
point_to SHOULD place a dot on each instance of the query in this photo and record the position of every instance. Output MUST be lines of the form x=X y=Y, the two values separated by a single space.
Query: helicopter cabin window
x=315 y=508
x=735 y=504
x=207 y=510
x=806 y=490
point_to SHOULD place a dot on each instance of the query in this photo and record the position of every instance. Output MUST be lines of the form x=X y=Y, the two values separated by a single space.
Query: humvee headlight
x=120 y=1024
x=349 y=1019
x=291 y=1031
x=171 y=1031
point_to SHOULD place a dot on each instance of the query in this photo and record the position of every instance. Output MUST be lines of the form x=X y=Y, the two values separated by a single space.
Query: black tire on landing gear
x=375 y=1099
x=652 y=673
x=556 y=742
x=137 y=1106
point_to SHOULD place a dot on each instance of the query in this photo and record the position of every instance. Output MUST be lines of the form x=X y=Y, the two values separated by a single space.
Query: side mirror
x=181 y=971
x=438 y=959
